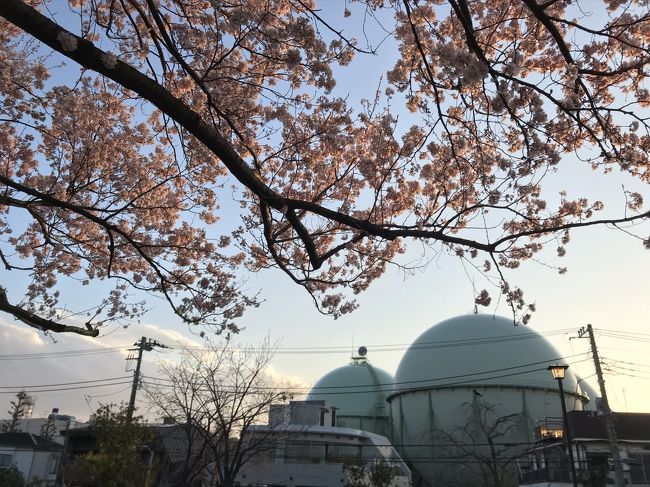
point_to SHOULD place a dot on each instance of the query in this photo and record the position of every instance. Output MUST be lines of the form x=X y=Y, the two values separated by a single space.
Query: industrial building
x=306 y=450
x=463 y=384
x=359 y=391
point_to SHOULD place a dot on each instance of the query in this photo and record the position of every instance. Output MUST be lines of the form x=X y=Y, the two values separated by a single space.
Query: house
x=181 y=455
x=176 y=455
x=546 y=464
x=301 y=447
x=35 y=457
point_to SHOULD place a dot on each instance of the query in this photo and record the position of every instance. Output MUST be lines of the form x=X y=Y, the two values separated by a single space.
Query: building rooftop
x=28 y=441
x=587 y=425
x=479 y=350
x=357 y=389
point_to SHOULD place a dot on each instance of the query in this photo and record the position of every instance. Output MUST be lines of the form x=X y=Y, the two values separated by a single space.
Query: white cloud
x=285 y=380
x=169 y=337
x=19 y=336
x=17 y=372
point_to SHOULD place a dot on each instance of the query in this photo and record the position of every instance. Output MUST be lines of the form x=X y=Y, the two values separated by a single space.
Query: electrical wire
x=412 y=346
x=74 y=388
x=625 y=336
x=61 y=354
x=346 y=349
x=390 y=387
x=626 y=350
x=620 y=332
x=68 y=383
x=417 y=346
x=94 y=396
x=314 y=350
x=617 y=361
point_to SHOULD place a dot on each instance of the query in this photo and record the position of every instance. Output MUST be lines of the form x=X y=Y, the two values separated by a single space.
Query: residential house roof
x=28 y=441
x=590 y=425
x=175 y=441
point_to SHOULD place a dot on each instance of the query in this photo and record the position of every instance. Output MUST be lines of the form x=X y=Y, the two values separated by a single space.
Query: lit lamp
x=558 y=372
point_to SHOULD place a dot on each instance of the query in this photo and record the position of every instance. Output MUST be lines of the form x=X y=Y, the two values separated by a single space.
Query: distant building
x=35 y=457
x=306 y=450
x=60 y=423
x=547 y=464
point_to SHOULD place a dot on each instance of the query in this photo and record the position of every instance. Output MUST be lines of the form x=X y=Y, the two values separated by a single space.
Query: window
x=5 y=460
x=54 y=464
x=305 y=452
x=342 y=453
x=639 y=468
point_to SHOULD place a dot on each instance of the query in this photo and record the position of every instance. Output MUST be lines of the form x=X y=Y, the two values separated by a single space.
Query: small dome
x=480 y=350
x=357 y=389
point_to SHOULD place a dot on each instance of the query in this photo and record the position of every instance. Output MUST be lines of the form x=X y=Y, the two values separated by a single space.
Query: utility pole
x=619 y=479
x=144 y=345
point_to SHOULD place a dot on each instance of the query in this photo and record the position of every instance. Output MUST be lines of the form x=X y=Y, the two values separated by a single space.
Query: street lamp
x=558 y=372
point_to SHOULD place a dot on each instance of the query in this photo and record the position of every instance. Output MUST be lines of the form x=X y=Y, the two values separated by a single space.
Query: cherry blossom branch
x=338 y=33
x=91 y=57
x=296 y=238
x=111 y=229
x=35 y=321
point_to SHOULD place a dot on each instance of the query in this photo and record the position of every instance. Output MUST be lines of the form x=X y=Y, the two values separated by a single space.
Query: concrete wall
x=21 y=459
x=33 y=464
x=43 y=465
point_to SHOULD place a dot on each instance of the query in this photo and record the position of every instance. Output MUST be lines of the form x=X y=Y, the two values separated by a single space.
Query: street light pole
x=558 y=372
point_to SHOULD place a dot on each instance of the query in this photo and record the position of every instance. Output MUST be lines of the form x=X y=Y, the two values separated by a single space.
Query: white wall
x=21 y=459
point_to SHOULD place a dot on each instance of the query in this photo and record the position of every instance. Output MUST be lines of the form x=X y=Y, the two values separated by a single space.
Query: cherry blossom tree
x=125 y=123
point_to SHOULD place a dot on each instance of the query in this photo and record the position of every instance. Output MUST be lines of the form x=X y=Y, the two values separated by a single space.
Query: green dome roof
x=480 y=350
x=358 y=389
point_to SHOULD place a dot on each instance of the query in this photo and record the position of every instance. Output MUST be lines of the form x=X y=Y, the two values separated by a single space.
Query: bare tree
x=48 y=428
x=483 y=451
x=216 y=395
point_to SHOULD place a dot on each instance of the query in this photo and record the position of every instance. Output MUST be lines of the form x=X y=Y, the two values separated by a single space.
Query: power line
x=68 y=388
x=373 y=386
x=619 y=332
x=345 y=348
x=389 y=387
x=61 y=354
x=418 y=346
x=636 y=364
x=68 y=383
x=621 y=336
x=313 y=350
x=626 y=350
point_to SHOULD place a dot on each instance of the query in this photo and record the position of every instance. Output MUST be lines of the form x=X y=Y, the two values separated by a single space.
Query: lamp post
x=558 y=372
